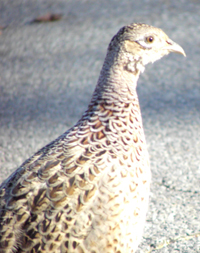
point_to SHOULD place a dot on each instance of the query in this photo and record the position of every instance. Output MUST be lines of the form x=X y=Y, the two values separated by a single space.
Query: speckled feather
x=88 y=190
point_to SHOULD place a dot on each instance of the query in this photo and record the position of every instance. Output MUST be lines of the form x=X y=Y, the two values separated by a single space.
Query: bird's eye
x=149 y=39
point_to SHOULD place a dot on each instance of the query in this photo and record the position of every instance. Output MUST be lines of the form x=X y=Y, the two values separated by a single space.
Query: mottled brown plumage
x=88 y=190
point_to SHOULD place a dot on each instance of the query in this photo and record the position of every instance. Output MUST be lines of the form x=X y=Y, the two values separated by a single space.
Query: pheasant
x=87 y=191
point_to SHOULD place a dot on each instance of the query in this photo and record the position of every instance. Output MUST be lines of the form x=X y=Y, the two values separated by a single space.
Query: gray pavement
x=48 y=72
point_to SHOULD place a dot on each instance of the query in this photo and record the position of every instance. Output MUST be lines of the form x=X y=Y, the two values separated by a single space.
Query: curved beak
x=174 y=47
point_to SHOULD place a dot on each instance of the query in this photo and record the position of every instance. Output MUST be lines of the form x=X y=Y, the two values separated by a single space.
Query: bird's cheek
x=146 y=58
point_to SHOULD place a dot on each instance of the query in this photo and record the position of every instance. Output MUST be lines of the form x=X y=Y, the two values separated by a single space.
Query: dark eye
x=149 y=39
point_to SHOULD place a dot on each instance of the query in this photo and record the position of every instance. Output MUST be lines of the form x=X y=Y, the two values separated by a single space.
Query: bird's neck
x=118 y=78
x=116 y=89
x=114 y=110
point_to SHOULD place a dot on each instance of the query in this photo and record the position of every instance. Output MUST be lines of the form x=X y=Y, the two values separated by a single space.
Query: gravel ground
x=48 y=72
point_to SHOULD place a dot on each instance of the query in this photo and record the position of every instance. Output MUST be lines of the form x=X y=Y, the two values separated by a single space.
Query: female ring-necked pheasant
x=88 y=190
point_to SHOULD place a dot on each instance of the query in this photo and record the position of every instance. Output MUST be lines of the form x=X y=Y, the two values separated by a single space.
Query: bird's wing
x=40 y=202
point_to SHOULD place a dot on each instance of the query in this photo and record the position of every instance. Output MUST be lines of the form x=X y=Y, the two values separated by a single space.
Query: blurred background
x=48 y=71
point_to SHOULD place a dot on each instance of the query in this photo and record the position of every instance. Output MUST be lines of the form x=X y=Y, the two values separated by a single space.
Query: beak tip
x=181 y=51
x=175 y=48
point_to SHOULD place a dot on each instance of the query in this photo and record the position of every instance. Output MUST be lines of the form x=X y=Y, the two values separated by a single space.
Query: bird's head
x=143 y=44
